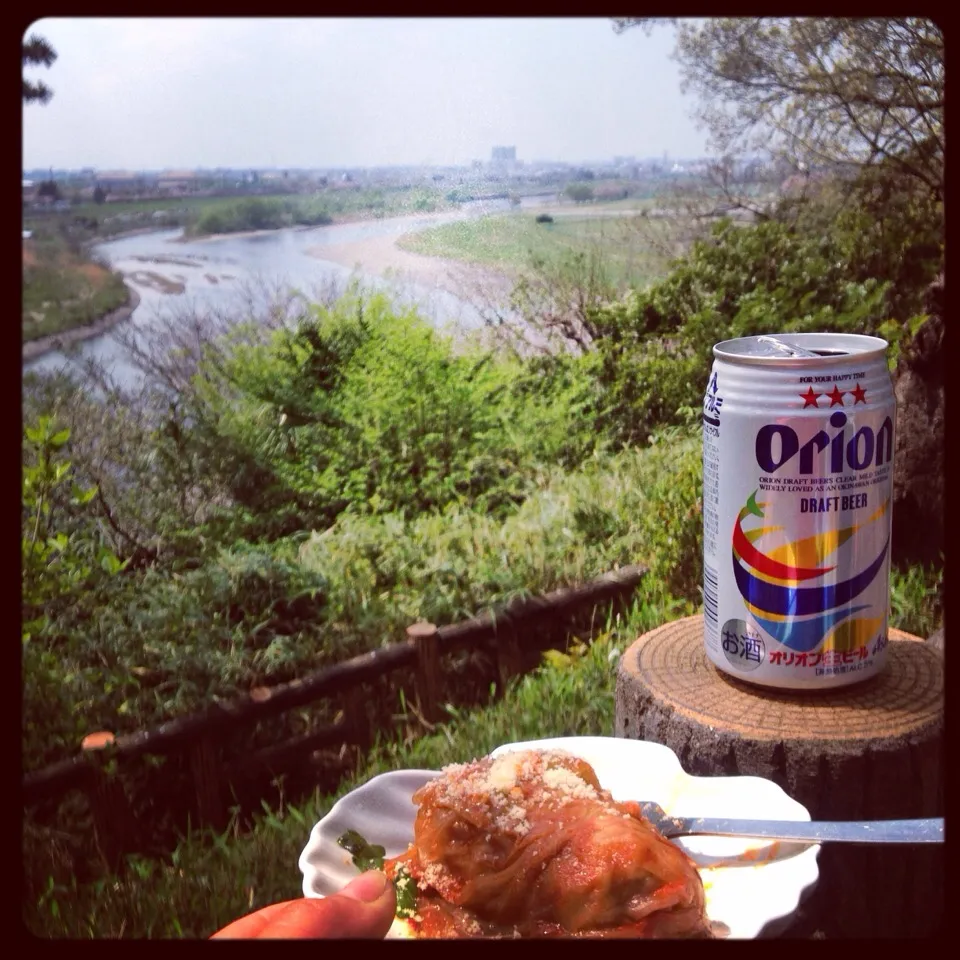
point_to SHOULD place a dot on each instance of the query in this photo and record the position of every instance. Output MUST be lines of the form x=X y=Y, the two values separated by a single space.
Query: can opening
x=831 y=353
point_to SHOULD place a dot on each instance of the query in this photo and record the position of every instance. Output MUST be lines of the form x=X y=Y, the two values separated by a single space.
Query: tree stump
x=113 y=821
x=870 y=751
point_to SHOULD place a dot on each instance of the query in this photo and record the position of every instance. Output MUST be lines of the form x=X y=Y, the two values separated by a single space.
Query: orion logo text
x=858 y=451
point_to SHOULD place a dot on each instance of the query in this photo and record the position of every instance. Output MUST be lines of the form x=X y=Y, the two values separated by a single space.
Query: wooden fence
x=199 y=734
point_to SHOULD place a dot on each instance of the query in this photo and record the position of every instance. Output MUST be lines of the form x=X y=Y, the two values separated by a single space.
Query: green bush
x=261 y=213
x=63 y=567
x=164 y=642
x=654 y=346
x=579 y=192
x=671 y=526
x=368 y=409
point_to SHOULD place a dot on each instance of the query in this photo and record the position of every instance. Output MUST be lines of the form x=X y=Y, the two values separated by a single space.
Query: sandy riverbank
x=241 y=234
x=382 y=257
x=60 y=341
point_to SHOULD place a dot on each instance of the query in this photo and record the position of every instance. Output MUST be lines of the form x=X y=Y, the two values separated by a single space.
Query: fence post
x=113 y=821
x=509 y=658
x=205 y=767
x=428 y=669
x=356 y=722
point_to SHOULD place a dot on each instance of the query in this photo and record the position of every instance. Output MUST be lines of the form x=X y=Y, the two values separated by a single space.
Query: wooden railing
x=198 y=734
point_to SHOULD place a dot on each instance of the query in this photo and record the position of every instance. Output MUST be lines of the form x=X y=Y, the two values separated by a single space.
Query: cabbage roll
x=530 y=845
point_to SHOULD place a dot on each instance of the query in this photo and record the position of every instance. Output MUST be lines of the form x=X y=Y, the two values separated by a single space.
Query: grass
x=122 y=215
x=916 y=600
x=115 y=217
x=133 y=207
x=172 y=645
x=509 y=242
x=62 y=289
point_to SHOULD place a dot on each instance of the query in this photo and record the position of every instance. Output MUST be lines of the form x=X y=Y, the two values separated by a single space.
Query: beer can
x=798 y=446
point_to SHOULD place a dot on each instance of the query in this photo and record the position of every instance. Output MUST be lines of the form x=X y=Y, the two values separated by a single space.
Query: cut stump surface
x=870 y=751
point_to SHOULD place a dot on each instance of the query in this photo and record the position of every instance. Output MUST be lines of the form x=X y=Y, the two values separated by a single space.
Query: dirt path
x=59 y=341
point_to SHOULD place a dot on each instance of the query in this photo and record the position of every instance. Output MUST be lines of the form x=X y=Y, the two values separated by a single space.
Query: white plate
x=752 y=887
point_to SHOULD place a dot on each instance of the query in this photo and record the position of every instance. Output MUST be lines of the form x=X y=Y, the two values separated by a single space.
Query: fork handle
x=842 y=831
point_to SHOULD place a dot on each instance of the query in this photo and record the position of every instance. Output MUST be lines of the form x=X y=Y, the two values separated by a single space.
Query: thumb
x=364 y=908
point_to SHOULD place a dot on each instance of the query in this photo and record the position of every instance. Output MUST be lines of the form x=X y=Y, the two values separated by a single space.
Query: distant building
x=504 y=155
x=122 y=183
x=177 y=181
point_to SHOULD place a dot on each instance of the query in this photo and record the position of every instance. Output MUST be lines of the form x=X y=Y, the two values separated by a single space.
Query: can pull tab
x=786 y=349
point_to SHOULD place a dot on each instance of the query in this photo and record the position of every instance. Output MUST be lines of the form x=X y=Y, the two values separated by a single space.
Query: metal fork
x=928 y=830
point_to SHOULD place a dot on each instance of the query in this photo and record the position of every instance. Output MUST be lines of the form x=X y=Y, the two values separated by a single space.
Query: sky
x=184 y=93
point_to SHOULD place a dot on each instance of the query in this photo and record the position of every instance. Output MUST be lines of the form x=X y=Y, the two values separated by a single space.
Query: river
x=170 y=272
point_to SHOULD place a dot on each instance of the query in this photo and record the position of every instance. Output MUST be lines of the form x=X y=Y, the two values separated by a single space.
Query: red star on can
x=859 y=394
x=836 y=396
x=810 y=398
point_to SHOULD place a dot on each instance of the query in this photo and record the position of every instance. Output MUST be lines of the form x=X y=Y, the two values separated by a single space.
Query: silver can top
x=801 y=349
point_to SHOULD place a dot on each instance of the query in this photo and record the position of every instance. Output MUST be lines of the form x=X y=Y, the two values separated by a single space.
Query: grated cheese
x=568 y=783
x=503 y=772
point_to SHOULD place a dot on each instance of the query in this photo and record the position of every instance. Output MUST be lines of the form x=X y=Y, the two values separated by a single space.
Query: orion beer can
x=798 y=445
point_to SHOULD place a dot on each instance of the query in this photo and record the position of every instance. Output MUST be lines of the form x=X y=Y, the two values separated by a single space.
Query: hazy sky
x=155 y=93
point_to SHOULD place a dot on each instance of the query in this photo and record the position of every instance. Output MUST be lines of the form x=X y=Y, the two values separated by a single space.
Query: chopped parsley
x=369 y=856
x=406 y=895
x=366 y=856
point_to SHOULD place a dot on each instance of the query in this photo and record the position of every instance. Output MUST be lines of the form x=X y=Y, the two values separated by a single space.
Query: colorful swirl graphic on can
x=792 y=591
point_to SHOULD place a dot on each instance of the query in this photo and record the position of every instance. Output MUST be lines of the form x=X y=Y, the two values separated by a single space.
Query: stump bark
x=872 y=750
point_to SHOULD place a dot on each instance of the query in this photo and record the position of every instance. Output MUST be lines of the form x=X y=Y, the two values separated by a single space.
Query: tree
x=856 y=107
x=834 y=93
x=49 y=188
x=579 y=192
x=37 y=52
x=99 y=194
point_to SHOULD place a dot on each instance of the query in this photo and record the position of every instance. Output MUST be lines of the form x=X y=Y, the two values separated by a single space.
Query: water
x=217 y=273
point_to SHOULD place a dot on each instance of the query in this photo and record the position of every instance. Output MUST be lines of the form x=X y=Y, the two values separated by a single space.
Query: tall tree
x=37 y=52
x=841 y=93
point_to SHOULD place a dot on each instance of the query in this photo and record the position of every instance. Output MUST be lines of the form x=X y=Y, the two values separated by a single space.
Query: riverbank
x=66 y=338
x=511 y=243
x=384 y=257
x=376 y=256
x=443 y=211
x=243 y=234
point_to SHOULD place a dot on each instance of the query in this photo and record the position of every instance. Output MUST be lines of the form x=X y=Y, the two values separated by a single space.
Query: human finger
x=364 y=908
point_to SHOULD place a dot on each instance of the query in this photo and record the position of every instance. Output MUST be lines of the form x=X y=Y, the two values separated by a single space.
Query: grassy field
x=62 y=289
x=97 y=221
x=509 y=242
